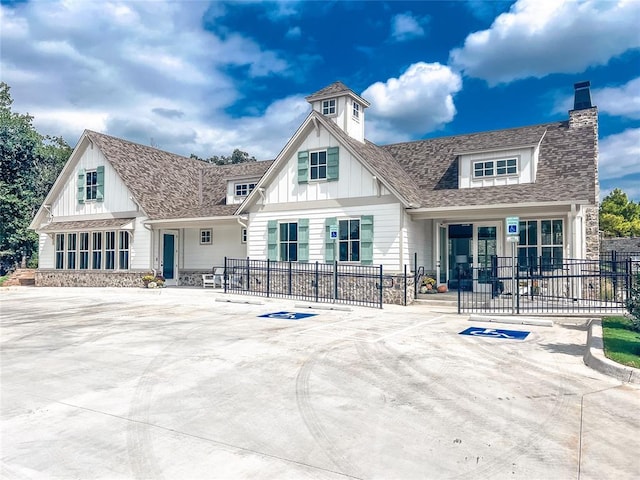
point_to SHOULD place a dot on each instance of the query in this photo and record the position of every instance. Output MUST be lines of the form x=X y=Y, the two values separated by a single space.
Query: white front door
x=486 y=245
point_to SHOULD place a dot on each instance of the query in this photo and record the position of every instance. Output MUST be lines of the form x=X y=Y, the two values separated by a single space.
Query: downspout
x=148 y=227
x=402 y=238
x=246 y=227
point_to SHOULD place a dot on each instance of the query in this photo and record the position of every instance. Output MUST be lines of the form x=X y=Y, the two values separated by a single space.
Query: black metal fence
x=317 y=282
x=546 y=285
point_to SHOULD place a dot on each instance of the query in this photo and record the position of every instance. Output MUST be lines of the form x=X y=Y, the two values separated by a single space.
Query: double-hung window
x=356 y=110
x=318 y=165
x=349 y=240
x=540 y=239
x=60 y=251
x=288 y=241
x=91 y=185
x=71 y=250
x=84 y=250
x=205 y=236
x=109 y=250
x=123 y=250
x=329 y=107
x=96 y=250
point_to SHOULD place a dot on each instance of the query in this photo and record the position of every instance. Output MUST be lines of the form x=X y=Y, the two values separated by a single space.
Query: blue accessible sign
x=287 y=315
x=495 y=333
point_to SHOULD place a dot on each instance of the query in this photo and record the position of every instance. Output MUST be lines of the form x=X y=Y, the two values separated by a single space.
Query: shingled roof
x=334 y=90
x=566 y=167
x=170 y=186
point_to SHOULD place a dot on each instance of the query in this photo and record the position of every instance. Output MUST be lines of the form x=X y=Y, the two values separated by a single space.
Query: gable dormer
x=343 y=107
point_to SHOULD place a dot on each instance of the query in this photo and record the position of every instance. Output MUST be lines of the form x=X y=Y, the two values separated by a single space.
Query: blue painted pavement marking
x=495 y=333
x=287 y=315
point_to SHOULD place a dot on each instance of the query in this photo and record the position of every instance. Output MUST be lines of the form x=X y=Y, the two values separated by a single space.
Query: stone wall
x=88 y=278
x=191 y=278
x=592 y=233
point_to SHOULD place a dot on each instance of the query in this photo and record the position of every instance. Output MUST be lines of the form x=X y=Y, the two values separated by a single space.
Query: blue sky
x=208 y=77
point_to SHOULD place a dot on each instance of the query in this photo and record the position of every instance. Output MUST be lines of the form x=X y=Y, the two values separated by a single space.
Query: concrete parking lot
x=128 y=383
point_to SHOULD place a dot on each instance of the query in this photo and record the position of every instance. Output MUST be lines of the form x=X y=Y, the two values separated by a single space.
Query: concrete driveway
x=127 y=383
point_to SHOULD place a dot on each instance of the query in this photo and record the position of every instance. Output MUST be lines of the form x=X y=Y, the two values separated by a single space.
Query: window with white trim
x=329 y=107
x=541 y=240
x=356 y=110
x=72 y=239
x=205 y=236
x=243 y=235
x=123 y=250
x=349 y=240
x=318 y=165
x=59 y=251
x=109 y=250
x=84 y=250
x=495 y=168
x=244 y=189
x=288 y=241
x=96 y=250
x=91 y=185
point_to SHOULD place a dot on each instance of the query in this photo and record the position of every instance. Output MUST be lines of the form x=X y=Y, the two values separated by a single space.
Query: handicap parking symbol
x=287 y=315
x=495 y=333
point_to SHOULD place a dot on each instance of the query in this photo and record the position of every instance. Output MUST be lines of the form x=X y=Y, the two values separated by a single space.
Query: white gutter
x=191 y=219
x=500 y=206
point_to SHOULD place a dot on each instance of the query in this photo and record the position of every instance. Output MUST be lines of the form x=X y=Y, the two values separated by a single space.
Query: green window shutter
x=329 y=254
x=333 y=160
x=303 y=240
x=366 y=239
x=81 y=180
x=100 y=184
x=272 y=240
x=303 y=167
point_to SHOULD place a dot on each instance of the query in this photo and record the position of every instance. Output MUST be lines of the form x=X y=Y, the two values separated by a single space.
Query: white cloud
x=539 y=37
x=294 y=32
x=404 y=26
x=417 y=102
x=126 y=68
x=622 y=101
x=620 y=154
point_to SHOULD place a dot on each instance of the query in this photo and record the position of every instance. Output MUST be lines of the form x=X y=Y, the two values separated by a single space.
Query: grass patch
x=3 y=278
x=621 y=342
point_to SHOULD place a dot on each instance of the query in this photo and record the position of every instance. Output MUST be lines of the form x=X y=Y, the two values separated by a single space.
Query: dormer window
x=244 y=189
x=495 y=168
x=356 y=110
x=329 y=107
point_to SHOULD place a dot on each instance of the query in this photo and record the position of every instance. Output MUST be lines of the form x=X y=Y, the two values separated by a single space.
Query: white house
x=120 y=209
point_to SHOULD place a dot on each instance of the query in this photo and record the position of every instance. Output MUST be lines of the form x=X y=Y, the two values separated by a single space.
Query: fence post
x=415 y=275
x=380 y=279
x=405 y=285
x=248 y=274
x=317 y=281
x=289 y=281
x=459 y=292
x=517 y=288
x=335 y=280
x=268 y=277
x=224 y=275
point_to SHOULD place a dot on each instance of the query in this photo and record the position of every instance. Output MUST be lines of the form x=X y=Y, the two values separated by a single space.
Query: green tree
x=238 y=156
x=619 y=216
x=29 y=164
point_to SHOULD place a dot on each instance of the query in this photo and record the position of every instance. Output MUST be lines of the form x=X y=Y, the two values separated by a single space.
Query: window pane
x=501 y=163
x=284 y=252
x=344 y=251
x=293 y=232
x=322 y=172
x=355 y=230
x=322 y=157
x=343 y=230
x=545 y=229
x=557 y=232
x=293 y=252
x=532 y=233
x=355 y=251
x=284 y=232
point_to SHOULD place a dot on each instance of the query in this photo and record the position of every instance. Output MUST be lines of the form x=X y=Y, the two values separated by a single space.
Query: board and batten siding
x=140 y=246
x=526 y=168
x=353 y=181
x=226 y=242
x=419 y=235
x=116 y=194
x=386 y=231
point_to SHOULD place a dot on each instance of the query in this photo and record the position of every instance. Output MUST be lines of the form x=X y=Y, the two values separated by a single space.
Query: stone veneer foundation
x=88 y=278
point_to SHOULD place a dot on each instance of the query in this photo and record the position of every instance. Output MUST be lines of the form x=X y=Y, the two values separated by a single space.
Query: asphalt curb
x=594 y=357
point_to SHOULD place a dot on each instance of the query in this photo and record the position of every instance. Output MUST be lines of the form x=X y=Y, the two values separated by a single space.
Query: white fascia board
x=276 y=164
x=499 y=149
x=195 y=220
x=440 y=212
x=77 y=152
